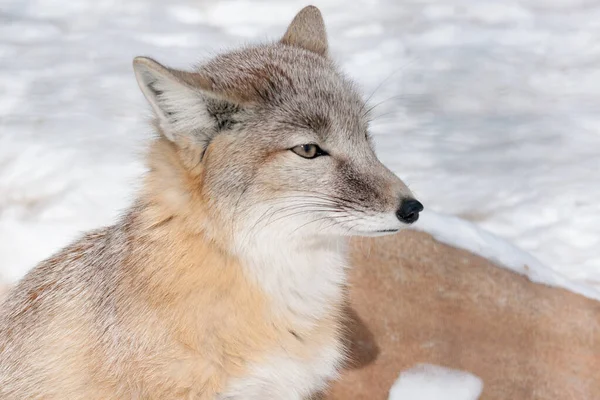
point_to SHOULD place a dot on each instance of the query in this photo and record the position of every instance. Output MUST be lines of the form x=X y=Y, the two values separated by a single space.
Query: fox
x=226 y=277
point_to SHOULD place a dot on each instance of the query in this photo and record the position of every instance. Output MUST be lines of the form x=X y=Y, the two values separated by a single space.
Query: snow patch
x=432 y=382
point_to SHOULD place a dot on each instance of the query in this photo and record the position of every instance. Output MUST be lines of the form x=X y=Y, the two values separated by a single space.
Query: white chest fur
x=282 y=377
x=302 y=280
x=304 y=284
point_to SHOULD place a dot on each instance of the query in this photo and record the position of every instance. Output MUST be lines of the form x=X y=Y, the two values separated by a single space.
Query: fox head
x=279 y=138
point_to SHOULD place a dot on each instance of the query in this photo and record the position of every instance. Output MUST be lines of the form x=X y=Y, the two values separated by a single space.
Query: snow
x=488 y=109
x=466 y=235
x=432 y=382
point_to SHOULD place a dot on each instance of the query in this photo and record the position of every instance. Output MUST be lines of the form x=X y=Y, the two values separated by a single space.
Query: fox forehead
x=291 y=88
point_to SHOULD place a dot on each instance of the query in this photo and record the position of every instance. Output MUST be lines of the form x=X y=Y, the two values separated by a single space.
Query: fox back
x=226 y=277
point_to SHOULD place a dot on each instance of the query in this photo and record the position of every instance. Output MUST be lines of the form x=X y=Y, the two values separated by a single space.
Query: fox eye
x=309 y=150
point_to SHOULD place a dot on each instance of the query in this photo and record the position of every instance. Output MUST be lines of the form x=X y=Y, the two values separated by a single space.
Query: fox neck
x=302 y=280
x=303 y=277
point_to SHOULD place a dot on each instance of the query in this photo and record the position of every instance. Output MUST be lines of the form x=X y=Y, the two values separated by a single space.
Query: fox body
x=226 y=278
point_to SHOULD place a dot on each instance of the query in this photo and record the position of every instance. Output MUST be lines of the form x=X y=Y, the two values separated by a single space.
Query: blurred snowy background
x=490 y=110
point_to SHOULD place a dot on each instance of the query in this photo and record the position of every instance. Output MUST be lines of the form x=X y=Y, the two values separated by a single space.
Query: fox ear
x=307 y=31
x=183 y=102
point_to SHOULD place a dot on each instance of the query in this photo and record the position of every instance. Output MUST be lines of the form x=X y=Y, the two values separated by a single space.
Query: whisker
x=387 y=78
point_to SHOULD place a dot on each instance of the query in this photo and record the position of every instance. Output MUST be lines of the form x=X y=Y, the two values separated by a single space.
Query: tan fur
x=240 y=327
x=210 y=319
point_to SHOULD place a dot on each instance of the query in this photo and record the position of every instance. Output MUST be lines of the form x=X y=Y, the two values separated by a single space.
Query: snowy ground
x=489 y=109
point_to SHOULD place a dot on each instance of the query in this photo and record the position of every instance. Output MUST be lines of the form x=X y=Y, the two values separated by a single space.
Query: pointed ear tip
x=307 y=30
x=141 y=61
x=311 y=8
x=310 y=11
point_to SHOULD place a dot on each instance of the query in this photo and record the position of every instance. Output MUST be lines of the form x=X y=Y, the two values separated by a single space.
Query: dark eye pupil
x=311 y=150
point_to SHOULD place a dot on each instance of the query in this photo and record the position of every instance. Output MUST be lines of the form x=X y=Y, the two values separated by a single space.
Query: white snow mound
x=433 y=382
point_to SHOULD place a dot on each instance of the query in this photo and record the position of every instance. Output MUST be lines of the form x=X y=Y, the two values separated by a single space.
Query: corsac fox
x=226 y=277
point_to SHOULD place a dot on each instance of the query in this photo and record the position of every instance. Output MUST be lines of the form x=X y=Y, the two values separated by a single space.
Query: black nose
x=409 y=210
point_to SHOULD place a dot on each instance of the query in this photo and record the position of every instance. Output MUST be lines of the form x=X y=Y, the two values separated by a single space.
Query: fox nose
x=409 y=210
